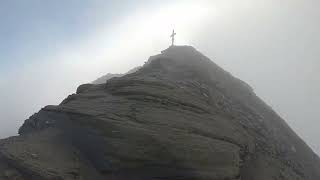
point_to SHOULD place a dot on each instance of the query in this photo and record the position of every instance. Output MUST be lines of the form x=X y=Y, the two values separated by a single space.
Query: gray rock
x=103 y=79
x=180 y=116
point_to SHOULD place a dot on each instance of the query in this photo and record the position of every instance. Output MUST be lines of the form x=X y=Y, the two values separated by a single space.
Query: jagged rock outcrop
x=178 y=117
x=103 y=79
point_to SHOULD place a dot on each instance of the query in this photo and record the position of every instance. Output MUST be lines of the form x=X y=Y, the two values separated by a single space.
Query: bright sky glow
x=134 y=35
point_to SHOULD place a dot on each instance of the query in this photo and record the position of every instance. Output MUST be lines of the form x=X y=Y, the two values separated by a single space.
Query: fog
x=49 y=48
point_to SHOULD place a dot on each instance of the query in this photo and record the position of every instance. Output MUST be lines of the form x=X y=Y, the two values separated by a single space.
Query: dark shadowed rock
x=178 y=117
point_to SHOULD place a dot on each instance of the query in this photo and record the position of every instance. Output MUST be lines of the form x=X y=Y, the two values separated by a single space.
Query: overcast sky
x=48 y=48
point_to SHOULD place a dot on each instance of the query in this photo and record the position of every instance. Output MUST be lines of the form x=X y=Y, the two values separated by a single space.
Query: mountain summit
x=180 y=116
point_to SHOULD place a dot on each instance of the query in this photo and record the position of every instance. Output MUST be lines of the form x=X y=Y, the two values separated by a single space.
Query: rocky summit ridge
x=179 y=117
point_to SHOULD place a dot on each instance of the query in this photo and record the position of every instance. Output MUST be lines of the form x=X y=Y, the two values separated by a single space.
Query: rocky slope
x=178 y=117
x=103 y=79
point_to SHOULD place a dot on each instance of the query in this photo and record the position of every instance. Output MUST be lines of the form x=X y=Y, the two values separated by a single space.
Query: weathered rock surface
x=103 y=79
x=178 y=117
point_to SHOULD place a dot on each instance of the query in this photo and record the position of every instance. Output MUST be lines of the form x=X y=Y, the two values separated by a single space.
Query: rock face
x=103 y=79
x=178 y=117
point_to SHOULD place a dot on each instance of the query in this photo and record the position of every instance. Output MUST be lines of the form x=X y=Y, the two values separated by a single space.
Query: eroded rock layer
x=178 y=117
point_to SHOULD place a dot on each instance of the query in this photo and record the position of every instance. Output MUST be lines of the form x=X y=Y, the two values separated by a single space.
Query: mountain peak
x=180 y=116
x=180 y=53
x=179 y=50
x=186 y=63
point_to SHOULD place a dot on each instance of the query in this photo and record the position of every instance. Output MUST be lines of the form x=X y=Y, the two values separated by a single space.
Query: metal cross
x=172 y=37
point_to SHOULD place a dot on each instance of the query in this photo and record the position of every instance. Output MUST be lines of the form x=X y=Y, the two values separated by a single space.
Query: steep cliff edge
x=178 y=117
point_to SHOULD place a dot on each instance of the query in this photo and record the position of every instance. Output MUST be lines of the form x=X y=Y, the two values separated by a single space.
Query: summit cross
x=172 y=37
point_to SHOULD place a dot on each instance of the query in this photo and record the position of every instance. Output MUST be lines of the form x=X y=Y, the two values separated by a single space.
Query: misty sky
x=48 y=48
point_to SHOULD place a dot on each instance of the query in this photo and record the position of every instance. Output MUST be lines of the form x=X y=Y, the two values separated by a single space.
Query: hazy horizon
x=48 y=48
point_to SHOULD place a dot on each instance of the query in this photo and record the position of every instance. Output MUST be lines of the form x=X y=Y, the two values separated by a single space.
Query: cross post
x=172 y=37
